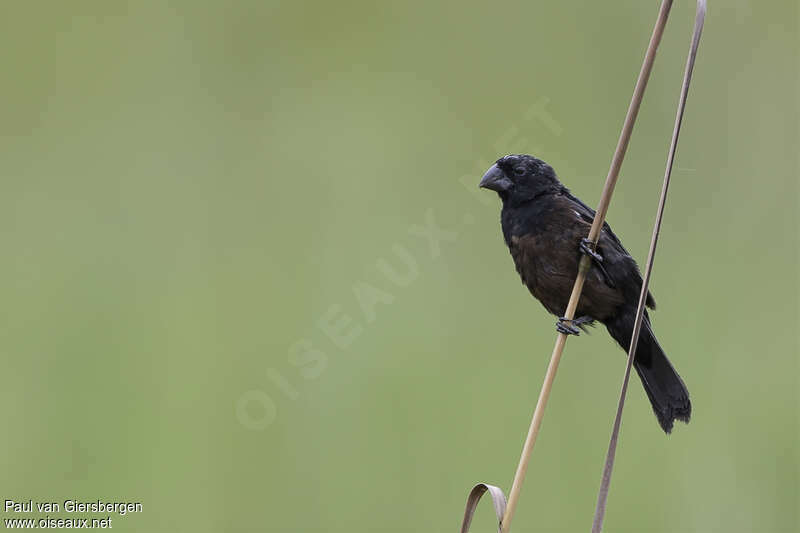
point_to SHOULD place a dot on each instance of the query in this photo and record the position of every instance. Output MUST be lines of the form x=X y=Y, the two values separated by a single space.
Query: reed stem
x=602 y=496
x=583 y=267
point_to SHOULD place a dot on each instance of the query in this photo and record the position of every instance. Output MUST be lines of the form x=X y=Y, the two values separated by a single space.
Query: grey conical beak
x=495 y=180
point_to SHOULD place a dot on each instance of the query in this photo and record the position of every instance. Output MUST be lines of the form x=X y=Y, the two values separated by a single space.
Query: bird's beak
x=495 y=180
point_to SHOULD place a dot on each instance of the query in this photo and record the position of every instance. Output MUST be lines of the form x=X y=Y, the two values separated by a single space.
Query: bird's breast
x=547 y=270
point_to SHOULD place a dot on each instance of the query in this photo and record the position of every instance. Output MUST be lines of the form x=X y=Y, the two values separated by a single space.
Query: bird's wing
x=619 y=266
x=587 y=213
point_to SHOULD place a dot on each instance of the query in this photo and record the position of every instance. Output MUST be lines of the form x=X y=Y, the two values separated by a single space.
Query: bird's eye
x=519 y=171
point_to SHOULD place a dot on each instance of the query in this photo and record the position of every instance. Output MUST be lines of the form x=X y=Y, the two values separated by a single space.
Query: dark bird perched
x=545 y=228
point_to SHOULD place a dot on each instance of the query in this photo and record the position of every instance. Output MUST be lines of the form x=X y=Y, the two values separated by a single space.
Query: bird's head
x=519 y=178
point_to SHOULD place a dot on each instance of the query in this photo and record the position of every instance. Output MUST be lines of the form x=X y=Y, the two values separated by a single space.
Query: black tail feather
x=664 y=387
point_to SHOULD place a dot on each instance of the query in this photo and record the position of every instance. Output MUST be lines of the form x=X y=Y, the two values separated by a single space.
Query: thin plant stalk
x=602 y=496
x=583 y=266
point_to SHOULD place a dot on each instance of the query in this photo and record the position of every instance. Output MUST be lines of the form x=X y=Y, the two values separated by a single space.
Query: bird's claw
x=587 y=247
x=573 y=326
x=564 y=325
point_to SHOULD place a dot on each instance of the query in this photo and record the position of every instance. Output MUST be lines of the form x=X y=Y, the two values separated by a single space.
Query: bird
x=545 y=228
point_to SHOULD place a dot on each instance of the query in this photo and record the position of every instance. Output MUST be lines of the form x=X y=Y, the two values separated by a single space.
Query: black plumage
x=543 y=225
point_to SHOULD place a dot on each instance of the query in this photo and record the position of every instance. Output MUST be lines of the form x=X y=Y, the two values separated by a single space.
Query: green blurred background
x=192 y=190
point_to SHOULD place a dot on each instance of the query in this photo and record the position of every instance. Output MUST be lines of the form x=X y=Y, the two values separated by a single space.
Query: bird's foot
x=574 y=326
x=587 y=247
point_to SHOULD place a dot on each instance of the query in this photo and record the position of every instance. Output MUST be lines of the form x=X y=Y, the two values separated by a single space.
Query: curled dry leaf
x=498 y=499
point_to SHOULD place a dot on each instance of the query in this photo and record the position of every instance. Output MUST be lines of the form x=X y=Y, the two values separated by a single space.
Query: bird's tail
x=664 y=387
